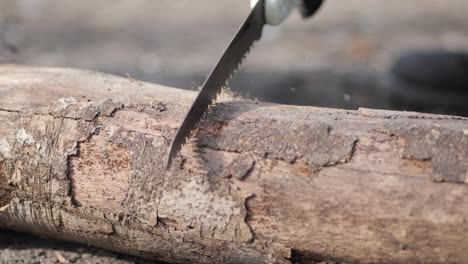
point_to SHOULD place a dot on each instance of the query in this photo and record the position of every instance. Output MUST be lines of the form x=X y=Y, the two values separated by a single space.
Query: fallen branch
x=82 y=159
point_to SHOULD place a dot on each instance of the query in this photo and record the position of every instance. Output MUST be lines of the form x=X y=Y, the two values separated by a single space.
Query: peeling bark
x=83 y=160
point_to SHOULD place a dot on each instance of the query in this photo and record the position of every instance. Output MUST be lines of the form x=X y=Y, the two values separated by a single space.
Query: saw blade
x=249 y=32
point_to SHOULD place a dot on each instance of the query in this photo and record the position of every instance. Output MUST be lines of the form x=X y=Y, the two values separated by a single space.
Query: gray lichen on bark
x=277 y=137
x=445 y=148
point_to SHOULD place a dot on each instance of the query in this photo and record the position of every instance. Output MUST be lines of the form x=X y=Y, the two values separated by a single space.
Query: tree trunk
x=82 y=159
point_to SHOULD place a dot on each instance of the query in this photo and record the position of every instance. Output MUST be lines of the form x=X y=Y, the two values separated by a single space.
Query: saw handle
x=308 y=7
x=276 y=11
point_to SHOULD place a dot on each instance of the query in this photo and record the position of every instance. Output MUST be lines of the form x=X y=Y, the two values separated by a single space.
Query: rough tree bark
x=82 y=158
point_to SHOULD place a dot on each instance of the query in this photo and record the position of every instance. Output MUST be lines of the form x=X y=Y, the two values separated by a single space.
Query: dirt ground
x=21 y=248
x=336 y=59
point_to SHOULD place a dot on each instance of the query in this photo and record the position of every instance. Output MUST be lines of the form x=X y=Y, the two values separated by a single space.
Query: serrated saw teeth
x=227 y=66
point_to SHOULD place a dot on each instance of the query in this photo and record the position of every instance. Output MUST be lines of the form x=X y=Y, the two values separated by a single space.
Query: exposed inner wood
x=82 y=158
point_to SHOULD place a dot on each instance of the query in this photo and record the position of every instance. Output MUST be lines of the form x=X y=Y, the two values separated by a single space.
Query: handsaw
x=247 y=35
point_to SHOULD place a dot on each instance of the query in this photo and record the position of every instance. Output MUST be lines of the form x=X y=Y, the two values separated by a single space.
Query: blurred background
x=339 y=58
x=344 y=57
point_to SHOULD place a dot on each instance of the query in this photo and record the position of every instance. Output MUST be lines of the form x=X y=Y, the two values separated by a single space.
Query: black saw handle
x=309 y=7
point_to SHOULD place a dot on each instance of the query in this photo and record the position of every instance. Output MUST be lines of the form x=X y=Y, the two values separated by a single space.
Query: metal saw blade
x=249 y=32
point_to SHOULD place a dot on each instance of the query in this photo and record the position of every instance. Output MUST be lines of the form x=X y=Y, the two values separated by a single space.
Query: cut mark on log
x=446 y=149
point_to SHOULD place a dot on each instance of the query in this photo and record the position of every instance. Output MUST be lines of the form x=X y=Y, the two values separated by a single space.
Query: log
x=82 y=159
